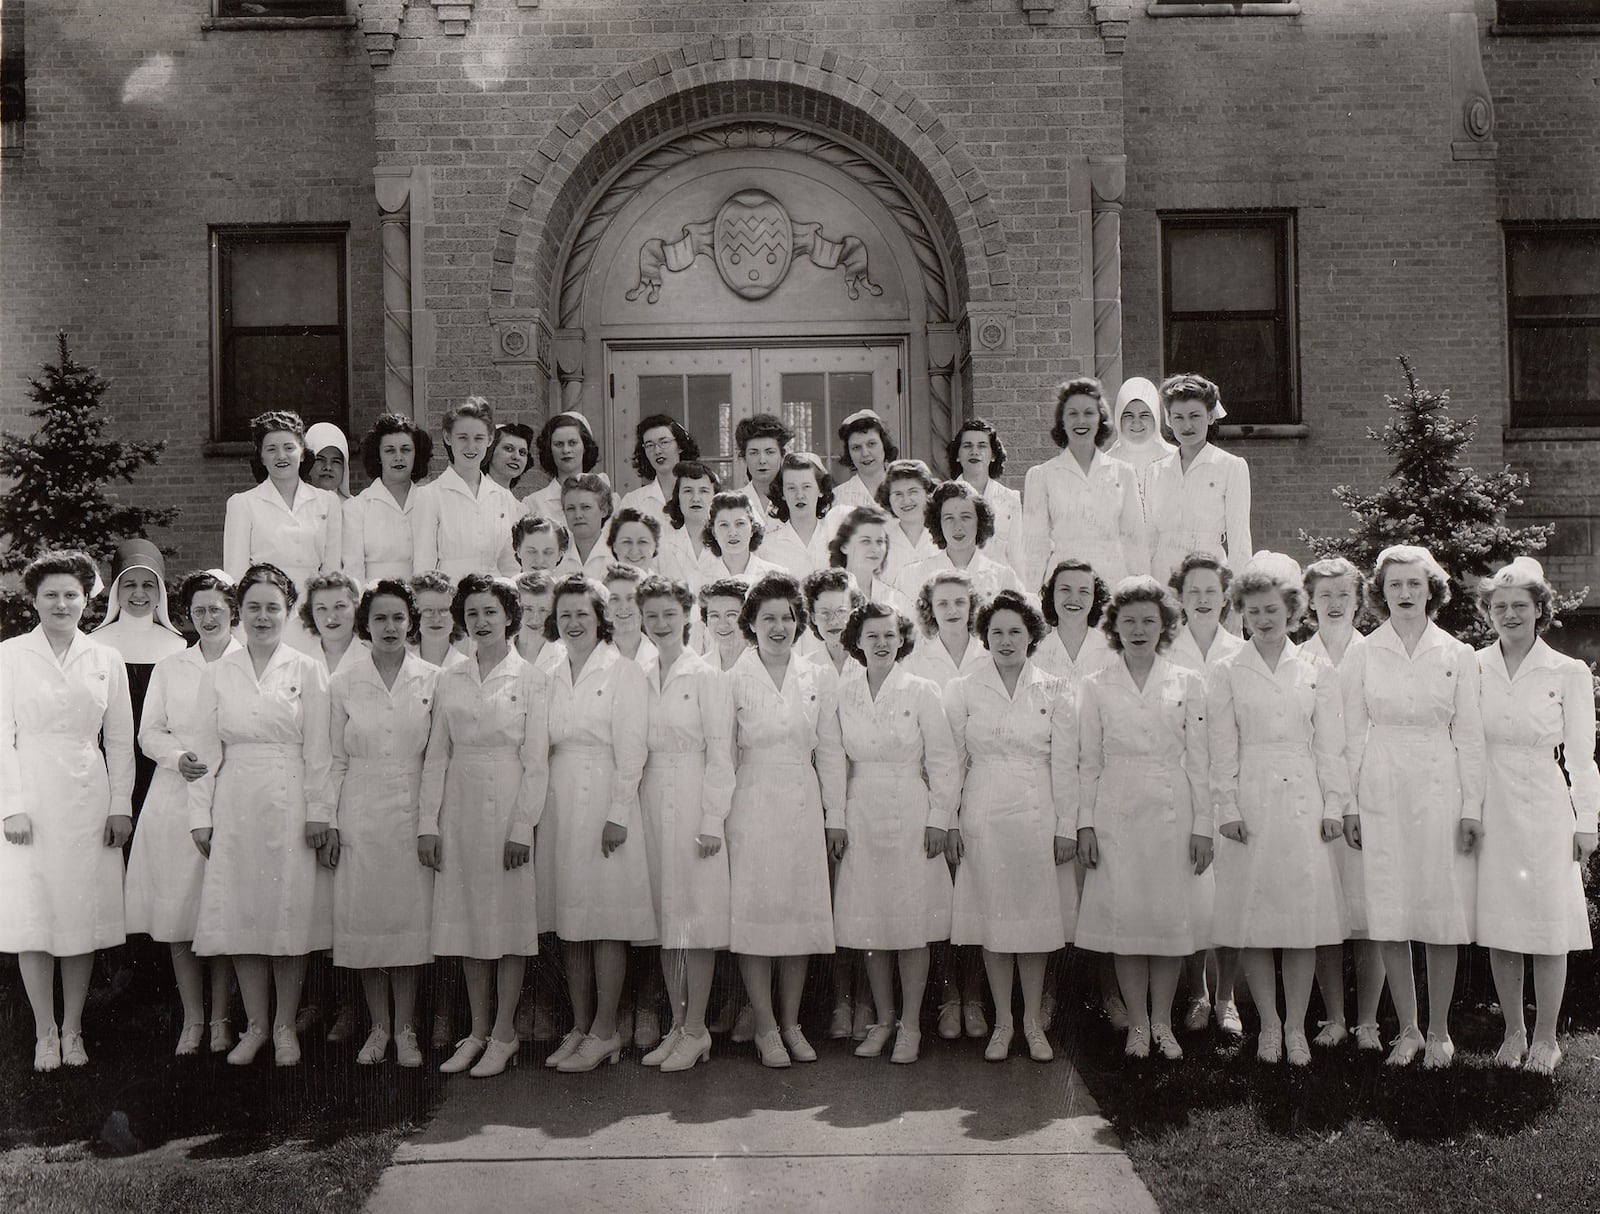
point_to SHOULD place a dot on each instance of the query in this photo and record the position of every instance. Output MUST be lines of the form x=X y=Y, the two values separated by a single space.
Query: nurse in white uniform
x=1281 y=786
x=904 y=493
x=733 y=534
x=961 y=526
x=661 y=445
x=1198 y=498
x=687 y=511
x=893 y=893
x=567 y=448
x=1414 y=729
x=1081 y=503
x=379 y=531
x=380 y=711
x=867 y=450
x=1073 y=600
x=1146 y=812
x=1538 y=719
x=797 y=541
x=977 y=456
x=463 y=518
x=789 y=772
x=860 y=547
x=67 y=806
x=261 y=730
x=1139 y=443
x=165 y=869
x=283 y=521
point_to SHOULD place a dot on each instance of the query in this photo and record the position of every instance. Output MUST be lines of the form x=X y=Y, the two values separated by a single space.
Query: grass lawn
x=214 y=1137
x=1219 y=1131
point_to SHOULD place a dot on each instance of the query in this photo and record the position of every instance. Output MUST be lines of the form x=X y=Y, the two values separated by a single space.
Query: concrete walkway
x=843 y=1135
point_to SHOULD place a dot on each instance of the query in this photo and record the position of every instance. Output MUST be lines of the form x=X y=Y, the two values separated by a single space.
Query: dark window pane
x=1557 y=274
x=1548 y=12
x=1245 y=358
x=1223 y=269
x=305 y=373
x=283 y=282
x=280 y=8
x=1556 y=375
x=661 y=394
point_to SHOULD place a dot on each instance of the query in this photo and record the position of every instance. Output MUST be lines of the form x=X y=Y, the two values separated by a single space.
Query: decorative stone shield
x=752 y=242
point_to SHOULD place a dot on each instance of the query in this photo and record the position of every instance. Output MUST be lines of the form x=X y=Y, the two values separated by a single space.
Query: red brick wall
x=141 y=131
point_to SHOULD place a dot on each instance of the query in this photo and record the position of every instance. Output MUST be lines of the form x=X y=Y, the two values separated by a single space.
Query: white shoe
x=591 y=1052
x=221 y=1036
x=467 y=1051
x=1138 y=1043
x=872 y=1045
x=375 y=1047
x=249 y=1045
x=949 y=1021
x=285 y=1046
x=1368 y=1039
x=1296 y=1049
x=907 y=1044
x=1198 y=1015
x=795 y=1042
x=646 y=1029
x=1438 y=1054
x=568 y=1047
x=1512 y=1050
x=1407 y=1046
x=1038 y=1044
x=1116 y=1011
x=47 y=1051
x=1269 y=1045
x=686 y=1051
x=1332 y=1033
x=1543 y=1058
x=1228 y=1022
x=72 y=1051
x=1162 y=1038
x=406 y=1050
x=189 y=1040
x=664 y=1050
x=999 y=1044
x=497 y=1055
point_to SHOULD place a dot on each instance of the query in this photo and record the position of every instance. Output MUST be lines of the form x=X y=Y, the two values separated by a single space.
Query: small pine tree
x=58 y=477
x=1433 y=499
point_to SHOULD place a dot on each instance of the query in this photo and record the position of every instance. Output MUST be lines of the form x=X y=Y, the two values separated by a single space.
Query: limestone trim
x=753 y=77
x=404 y=197
x=380 y=27
x=1472 y=129
x=1156 y=8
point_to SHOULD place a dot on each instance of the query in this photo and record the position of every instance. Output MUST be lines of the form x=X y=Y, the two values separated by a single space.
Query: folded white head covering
x=1275 y=565
x=326 y=434
x=1412 y=554
x=1522 y=571
x=1150 y=448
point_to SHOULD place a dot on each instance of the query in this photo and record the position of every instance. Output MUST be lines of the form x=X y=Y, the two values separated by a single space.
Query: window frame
x=1285 y=315
x=1515 y=420
x=219 y=236
x=1532 y=17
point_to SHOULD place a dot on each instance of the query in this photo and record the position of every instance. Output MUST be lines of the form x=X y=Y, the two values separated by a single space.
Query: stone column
x=1107 y=180
x=402 y=195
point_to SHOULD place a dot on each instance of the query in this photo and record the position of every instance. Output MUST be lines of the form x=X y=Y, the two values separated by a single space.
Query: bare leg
x=477 y=973
x=1549 y=984
x=1509 y=974
x=578 y=957
x=39 y=980
x=611 y=971
x=288 y=976
x=1369 y=980
x=914 y=963
x=1132 y=978
x=189 y=971
x=1163 y=986
x=699 y=965
x=75 y=971
x=791 y=985
x=999 y=967
x=1030 y=969
x=1402 y=982
x=757 y=974
x=404 y=980
x=1299 y=967
x=880 y=974
x=1330 y=981
x=375 y=985
x=1263 y=981
x=1442 y=960
x=508 y=988
x=255 y=988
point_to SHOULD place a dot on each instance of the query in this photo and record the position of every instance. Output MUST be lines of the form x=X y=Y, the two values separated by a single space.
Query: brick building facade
x=539 y=201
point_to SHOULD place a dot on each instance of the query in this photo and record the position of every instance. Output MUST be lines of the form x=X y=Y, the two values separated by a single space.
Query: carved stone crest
x=753 y=242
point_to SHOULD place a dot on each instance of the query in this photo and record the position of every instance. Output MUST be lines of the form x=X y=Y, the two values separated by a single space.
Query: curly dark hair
x=199 y=582
x=435 y=582
x=394 y=588
x=1142 y=590
x=1012 y=600
x=516 y=430
x=851 y=638
x=1190 y=387
x=720 y=588
x=70 y=561
x=476 y=408
x=269 y=575
x=487 y=583
x=273 y=421
x=947 y=577
x=862 y=425
x=952 y=451
x=577 y=585
x=657 y=587
x=688 y=448
x=591 y=448
x=395 y=423
x=537 y=524
x=823 y=581
x=337 y=580
x=771 y=588
x=761 y=425
x=1083 y=385
x=1047 y=592
x=801 y=461
x=732 y=501
x=861 y=516
x=632 y=514
x=1200 y=560
x=904 y=470
x=688 y=470
x=933 y=520
x=535 y=581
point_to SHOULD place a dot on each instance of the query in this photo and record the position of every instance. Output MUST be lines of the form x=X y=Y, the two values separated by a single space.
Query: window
x=13 y=78
x=281 y=336
x=1227 y=292
x=1535 y=14
x=280 y=8
x=1553 y=308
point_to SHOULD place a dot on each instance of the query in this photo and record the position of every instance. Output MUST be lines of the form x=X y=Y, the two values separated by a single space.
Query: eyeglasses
x=660 y=444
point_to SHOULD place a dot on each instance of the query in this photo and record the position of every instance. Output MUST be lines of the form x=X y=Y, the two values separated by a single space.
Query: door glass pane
x=1225 y=269
x=849 y=391
x=805 y=409
x=661 y=394
x=708 y=414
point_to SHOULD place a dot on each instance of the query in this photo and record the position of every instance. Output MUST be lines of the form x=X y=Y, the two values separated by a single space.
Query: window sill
x=1222 y=10
x=216 y=449
x=226 y=24
x=1576 y=29
x=1263 y=432
x=1548 y=434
